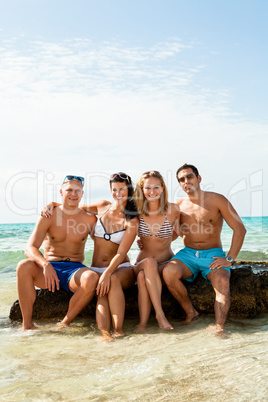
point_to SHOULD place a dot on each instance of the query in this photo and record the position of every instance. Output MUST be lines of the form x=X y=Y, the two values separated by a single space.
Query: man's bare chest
x=200 y=215
x=69 y=231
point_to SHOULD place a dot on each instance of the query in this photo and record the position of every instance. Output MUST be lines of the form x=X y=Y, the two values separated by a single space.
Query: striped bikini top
x=100 y=231
x=165 y=231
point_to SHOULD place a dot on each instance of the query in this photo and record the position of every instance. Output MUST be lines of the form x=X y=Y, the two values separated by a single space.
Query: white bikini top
x=100 y=231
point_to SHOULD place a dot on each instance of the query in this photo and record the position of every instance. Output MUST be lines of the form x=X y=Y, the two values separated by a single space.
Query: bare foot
x=118 y=334
x=30 y=327
x=217 y=330
x=106 y=336
x=140 y=329
x=190 y=317
x=61 y=326
x=163 y=323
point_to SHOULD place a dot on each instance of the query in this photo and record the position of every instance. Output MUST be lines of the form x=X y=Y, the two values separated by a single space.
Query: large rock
x=249 y=297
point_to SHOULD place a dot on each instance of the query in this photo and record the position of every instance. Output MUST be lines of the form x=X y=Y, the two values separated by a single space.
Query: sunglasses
x=151 y=172
x=188 y=177
x=71 y=178
x=120 y=175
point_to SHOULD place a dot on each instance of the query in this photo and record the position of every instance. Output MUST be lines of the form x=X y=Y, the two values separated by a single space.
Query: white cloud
x=84 y=66
x=80 y=106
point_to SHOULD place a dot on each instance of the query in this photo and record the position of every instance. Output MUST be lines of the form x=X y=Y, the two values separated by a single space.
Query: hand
x=51 y=278
x=219 y=263
x=47 y=211
x=103 y=285
x=140 y=244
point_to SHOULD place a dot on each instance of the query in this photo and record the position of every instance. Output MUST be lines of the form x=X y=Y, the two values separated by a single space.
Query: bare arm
x=233 y=220
x=35 y=241
x=47 y=211
x=176 y=225
x=239 y=231
x=129 y=237
x=92 y=223
x=94 y=208
x=174 y=235
x=32 y=251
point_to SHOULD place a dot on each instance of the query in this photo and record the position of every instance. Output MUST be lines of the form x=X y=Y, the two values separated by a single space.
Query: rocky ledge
x=249 y=297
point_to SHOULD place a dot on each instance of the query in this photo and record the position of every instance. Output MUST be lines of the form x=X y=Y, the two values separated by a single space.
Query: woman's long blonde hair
x=141 y=201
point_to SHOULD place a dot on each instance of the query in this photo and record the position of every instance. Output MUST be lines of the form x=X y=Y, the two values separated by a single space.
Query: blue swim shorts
x=199 y=260
x=65 y=270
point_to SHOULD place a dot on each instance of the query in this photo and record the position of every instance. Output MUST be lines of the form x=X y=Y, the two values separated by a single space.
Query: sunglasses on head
x=188 y=177
x=151 y=172
x=71 y=178
x=120 y=176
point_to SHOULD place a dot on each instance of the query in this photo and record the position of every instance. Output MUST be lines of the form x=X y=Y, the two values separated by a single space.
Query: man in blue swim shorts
x=202 y=216
x=64 y=237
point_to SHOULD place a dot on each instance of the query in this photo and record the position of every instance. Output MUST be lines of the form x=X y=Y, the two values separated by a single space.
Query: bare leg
x=144 y=303
x=220 y=280
x=103 y=317
x=83 y=283
x=121 y=279
x=154 y=287
x=173 y=272
x=28 y=275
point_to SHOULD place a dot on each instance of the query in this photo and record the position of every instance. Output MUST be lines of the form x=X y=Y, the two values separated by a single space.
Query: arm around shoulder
x=95 y=207
x=47 y=211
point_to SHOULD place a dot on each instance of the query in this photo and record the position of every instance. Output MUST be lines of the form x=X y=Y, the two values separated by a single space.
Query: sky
x=96 y=87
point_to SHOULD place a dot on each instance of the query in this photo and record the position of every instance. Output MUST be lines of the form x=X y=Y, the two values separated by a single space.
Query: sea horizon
x=14 y=237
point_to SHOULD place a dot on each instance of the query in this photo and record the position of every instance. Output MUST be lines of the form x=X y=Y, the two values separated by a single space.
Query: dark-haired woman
x=158 y=226
x=114 y=234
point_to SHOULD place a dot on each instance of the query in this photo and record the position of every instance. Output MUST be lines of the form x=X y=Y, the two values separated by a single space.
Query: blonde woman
x=158 y=226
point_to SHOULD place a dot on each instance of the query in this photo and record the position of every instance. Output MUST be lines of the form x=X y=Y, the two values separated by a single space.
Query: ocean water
x=187 y=364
